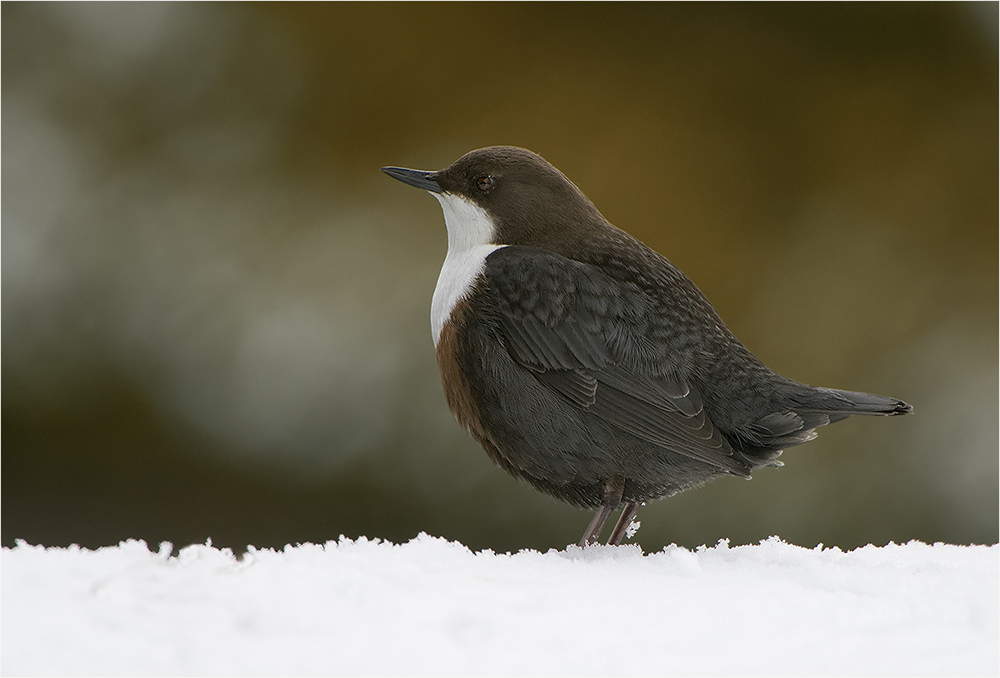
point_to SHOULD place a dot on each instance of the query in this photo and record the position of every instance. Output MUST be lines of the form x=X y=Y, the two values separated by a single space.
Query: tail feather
x=845 y=403
x=761 y=441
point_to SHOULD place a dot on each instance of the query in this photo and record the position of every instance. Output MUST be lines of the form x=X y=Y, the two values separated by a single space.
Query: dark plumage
x=585 y=363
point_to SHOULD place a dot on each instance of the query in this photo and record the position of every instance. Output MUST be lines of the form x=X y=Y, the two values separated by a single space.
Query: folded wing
x=562 y=321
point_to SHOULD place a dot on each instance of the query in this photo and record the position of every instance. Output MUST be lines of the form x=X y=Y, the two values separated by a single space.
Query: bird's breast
x=458 y=275
x=454 y=377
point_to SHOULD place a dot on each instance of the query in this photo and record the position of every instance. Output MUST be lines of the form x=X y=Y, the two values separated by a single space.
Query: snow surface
x=433 y=607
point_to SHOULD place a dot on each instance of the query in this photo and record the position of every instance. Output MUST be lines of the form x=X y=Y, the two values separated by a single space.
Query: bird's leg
x=612 y=498
x=628 y=513
x=601 y=517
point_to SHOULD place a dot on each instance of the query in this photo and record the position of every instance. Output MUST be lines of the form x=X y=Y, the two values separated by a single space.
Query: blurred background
x=215 y=308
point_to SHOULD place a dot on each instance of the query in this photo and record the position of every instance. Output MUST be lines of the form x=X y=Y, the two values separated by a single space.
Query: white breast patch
x=470 y=240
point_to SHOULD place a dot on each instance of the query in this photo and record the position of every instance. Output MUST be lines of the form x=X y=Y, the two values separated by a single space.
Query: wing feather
x=563 y=338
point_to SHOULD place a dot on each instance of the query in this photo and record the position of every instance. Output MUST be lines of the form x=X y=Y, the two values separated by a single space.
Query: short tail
x=761 y=441
x=842 y=404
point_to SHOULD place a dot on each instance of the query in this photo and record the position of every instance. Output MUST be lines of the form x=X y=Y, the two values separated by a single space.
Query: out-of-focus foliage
x=215 y=307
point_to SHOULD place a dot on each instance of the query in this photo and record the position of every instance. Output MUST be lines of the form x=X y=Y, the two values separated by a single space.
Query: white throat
x=471 y=233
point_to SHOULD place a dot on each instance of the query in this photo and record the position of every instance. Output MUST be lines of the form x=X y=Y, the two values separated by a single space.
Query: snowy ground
x=432 y=607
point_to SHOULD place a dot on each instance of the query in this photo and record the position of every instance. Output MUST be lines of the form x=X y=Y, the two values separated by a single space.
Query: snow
x=433 y=607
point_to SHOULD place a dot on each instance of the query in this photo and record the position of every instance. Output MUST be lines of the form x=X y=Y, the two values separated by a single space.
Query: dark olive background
x=215 y=307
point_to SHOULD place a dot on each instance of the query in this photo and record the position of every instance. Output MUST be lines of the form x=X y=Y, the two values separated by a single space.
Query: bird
x=585 y=363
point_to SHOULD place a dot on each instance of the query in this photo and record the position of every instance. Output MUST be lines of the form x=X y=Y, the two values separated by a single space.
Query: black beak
x=418 y=178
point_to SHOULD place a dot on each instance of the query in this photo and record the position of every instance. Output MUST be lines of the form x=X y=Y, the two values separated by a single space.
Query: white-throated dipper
x=587 y=364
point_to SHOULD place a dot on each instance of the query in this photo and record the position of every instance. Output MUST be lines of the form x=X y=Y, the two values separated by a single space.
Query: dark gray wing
x=572 y=327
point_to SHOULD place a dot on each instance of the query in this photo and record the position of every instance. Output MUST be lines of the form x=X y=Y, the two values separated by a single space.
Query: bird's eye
x=484 y=183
